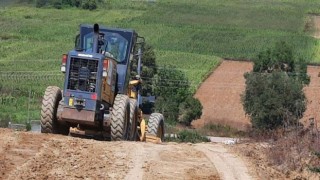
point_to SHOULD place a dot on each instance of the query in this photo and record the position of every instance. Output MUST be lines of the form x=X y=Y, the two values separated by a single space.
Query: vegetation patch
x=220 y=130
x=274 y=94
x=188 y=136
x=291 y=149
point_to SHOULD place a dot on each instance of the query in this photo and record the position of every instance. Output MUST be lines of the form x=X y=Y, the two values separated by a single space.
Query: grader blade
x=77 y=132
x=153 y=139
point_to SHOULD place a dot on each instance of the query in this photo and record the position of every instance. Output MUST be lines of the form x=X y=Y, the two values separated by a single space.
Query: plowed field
x=220 y=96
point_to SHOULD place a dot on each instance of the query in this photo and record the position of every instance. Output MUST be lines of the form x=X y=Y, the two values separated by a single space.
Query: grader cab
x=99 y=98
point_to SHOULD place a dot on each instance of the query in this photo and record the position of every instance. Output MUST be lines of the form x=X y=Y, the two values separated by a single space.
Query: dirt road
x=39 y=156
x=316 y=21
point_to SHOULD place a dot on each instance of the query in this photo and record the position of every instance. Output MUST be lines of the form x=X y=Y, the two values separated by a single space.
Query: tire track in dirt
x=138 y=158
x=316 y=21
x=177 y=161
x=229 y=166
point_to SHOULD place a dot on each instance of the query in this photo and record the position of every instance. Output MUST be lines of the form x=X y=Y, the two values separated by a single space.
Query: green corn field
x=193 y=36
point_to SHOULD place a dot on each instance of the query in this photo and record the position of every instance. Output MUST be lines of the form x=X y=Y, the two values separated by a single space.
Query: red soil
x=220 y=96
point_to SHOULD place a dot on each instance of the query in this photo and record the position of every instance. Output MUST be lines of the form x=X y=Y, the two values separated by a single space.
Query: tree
x=171 y=88
x=174 y=99
x=274 y=90
x=148 y=69
x=169 y=85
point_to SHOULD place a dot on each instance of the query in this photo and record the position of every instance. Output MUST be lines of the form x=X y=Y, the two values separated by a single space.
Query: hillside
x=190 y=35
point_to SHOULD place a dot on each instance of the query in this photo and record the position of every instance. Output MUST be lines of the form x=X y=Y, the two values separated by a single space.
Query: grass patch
x=221 y=131
x=188 y=136
x=195 y=66
x=228 y=29
x=315 y=169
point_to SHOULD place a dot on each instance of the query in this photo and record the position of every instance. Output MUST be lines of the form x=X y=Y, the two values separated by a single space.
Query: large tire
x=50 y=103
x=120 y=118
x=156 y=125
x=133 y=120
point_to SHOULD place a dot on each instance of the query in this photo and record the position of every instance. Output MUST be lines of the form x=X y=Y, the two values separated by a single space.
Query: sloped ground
x=25 y=155
x=220 y=96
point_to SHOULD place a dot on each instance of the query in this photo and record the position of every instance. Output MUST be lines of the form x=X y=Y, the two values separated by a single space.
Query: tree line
x=84 y=4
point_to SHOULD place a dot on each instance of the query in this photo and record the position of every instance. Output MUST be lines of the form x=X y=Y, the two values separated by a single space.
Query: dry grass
x=295 y=150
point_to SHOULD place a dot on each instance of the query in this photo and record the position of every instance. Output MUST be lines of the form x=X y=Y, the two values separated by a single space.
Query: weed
x=315 y=169
x=291 y=149
x=188 y=136
x=221 y=131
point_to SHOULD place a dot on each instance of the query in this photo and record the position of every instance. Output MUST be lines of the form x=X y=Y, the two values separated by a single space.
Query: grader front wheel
x=133 y=120
x=156 y=126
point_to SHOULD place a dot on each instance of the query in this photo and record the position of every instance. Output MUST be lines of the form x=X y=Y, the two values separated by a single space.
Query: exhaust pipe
x=95 y=46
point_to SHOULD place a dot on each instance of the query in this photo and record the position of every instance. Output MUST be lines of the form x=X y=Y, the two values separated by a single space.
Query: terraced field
x=193 y=36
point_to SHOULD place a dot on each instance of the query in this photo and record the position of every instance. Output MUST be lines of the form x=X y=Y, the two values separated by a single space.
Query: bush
x=41 y=3
x=220 y=130
x=174 y=99
x=84 y=4
x=89 y=4
x=171 y=88
x=274 y=90
x=4 y=120
x=189 y=136
x=28 y=126
x=189 y=110
x=148 y=68
x=57 y=4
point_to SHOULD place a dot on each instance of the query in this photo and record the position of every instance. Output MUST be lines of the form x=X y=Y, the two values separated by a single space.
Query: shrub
x=84 y=4
x=28 y=126
x=274 y=90
x=189 y=136
x=171 y=88
x=57 y=4
x=148 y=68
x=174 y=99
x=222 y=131
x=4 y=120
x=41 y=3
x=89 y=4
x=189 y=110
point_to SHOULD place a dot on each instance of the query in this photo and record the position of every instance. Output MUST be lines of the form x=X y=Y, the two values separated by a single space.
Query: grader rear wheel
x=120 y=118
x=156 y=125
x=50 y=103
